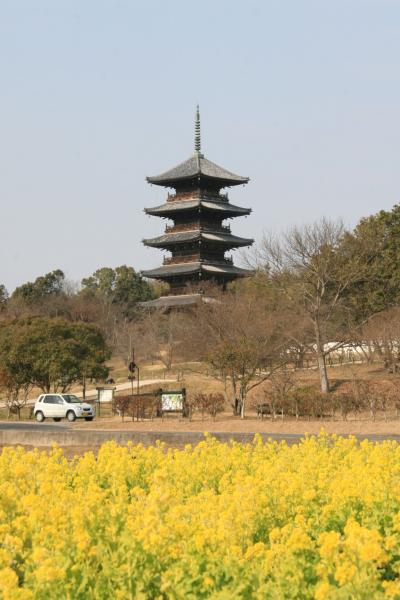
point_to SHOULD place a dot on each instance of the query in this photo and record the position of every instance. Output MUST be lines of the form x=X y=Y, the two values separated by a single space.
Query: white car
x=59 y=406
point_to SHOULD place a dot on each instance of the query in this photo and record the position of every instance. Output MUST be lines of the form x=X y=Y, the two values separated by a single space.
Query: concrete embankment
x=95 y=438
x=66 y=437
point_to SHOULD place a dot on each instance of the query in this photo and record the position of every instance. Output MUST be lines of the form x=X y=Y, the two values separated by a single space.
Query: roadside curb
x=95 y=438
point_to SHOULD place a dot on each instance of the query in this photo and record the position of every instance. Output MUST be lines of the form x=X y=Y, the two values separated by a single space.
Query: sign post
x=131 y=368
x=104 y=394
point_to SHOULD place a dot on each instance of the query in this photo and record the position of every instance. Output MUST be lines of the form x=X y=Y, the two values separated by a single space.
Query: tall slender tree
x=315 y=267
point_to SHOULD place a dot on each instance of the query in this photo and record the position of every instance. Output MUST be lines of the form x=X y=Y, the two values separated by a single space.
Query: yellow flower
x=298 y=540
x=392 y=589
x=345 y=573
x=150 y=522
x=8 y=579
x=390 y=542
x=309 y=495
x=48 y=573
x=329 y=542
x=322 y=590
x=372 y=551
x=257 y=549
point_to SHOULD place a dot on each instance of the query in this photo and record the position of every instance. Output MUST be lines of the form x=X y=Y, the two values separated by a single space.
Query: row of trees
x=106 y=291
x=315 y=289
x=54 y=334
x=50 y=354
x=285 y=397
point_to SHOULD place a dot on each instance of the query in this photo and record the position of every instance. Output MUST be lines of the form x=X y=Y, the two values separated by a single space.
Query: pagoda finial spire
x=197 y=139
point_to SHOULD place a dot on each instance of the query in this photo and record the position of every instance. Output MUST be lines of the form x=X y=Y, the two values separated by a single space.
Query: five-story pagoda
x=198 y=239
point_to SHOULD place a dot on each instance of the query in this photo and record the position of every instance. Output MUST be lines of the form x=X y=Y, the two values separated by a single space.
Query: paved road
x=34 y=426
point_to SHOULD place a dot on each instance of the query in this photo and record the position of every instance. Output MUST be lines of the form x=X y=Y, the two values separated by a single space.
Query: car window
x=52 y=399
x=72 y=399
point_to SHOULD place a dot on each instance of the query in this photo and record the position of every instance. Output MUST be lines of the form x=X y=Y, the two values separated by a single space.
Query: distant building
x=197 y=240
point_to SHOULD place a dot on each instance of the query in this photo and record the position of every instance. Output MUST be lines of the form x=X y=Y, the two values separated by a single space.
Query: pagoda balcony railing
x=170 y=260
x=191 y=226
x=180 y=228
x=175 y=260
x=198 y=194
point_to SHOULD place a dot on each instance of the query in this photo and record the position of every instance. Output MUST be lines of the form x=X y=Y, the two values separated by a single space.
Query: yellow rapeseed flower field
x=225 y=521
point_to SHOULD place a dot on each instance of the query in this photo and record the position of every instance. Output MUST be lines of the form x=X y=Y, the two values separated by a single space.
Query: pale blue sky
x=302 y=96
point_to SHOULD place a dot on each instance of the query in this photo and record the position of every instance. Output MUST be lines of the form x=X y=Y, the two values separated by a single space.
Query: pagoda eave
x=222 y=208
x=217 y=237
x=182 y=269
x=197 y=168
x=177 y=301
x=197 y=179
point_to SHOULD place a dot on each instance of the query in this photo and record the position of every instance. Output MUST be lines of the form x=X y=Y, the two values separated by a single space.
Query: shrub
x=210 y=404
x=121 y=405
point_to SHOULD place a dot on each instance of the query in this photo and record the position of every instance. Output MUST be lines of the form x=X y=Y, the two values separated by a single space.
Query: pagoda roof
x=218 y=237
x=169 y=208
x=216 y=267
x=173 y=301
x=195 y=167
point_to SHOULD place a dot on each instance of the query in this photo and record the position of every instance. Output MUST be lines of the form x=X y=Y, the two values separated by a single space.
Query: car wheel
x=57 y=419
x=39 y=416
x=88 y=418
x=71 y=416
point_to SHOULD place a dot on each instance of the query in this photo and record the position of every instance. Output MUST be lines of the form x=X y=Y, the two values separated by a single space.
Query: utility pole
x=132 y=366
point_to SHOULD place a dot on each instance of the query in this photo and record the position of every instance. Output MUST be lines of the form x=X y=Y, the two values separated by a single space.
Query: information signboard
x=171 y=402
x=106 y=395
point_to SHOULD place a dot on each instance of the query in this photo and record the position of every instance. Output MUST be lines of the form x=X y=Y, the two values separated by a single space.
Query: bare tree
x=314 y=266
x=279 y=393
x=157 y=335
x=382 y=333
x=241 y=337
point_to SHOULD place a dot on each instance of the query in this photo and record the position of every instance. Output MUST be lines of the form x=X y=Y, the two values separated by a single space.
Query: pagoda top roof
x=219 y=237
x=197 y=167
x=169 y=208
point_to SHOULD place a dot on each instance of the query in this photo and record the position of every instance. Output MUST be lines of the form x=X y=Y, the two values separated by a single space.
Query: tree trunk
x=321 y=359
x=323 y=375
x=242 y=402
